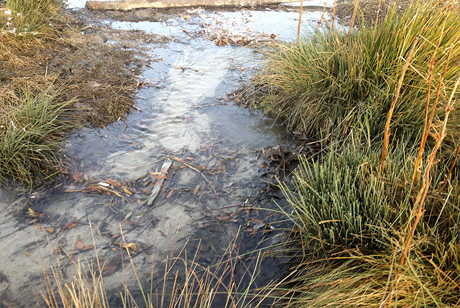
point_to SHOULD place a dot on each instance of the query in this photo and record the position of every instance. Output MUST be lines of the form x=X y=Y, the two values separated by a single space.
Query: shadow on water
x=186 y=138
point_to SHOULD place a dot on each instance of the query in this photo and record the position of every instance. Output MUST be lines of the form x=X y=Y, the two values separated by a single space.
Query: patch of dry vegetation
x=41 y=50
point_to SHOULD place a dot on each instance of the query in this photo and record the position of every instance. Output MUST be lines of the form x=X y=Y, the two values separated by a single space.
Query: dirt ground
x=369 y=10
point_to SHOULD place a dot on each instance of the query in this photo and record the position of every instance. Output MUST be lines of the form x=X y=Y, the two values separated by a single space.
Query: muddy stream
x=187 y=137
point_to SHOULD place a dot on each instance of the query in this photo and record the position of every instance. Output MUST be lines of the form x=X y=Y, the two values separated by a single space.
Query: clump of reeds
x=336 y=80
x=379 y=226
x=367 y=236
x=345 y=201
x=32 y=127
x=353 y=220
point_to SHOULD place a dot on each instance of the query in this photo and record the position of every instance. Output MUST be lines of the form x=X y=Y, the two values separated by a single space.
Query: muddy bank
x=97 y=65
x=369 y=10
x=133 y=4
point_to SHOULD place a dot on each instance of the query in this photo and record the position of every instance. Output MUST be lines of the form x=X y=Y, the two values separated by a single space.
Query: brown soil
x=95 y=64
x=369 y=10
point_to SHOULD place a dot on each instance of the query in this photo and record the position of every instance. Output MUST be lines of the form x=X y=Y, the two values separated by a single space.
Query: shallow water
x=186 y=116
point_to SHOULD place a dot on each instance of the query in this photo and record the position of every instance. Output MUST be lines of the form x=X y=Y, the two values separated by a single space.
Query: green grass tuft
x=334 y=82
x=29 y=18
x=352 y=218
x=31 y=133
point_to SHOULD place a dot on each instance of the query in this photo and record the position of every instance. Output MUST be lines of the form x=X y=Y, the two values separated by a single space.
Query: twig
x=194 y=169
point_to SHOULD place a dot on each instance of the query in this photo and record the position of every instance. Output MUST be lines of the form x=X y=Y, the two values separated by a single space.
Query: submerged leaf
x=131 y=246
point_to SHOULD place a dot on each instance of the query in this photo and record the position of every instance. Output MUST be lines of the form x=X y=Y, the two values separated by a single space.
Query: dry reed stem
x=352 y=22
x=425 y=131
x=427 y=125
x=451 y=169
x=300 y=20
x=393 y=104
x=334 y=13
x=439 y=137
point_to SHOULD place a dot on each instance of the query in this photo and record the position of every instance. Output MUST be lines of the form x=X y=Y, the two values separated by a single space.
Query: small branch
x=194 y=169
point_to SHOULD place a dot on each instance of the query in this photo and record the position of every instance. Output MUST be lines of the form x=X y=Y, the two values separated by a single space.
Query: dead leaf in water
x=79 y=244
x=109 y=270
x=131 y=246
x=197 y=188
x=170 y=194
x=126 y=190
x=113 y=182
x=50 y=230
x=70 y=224
x=91 y=246
x=162 y=176
x=34 y=214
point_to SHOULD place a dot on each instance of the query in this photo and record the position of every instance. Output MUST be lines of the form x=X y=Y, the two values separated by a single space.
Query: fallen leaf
x=144 y=246
x=88 y=247
x=50 y=230
x=26 y=253
x=70 y=224
x=34 y=214
x=178 y=159
x=170 y=194
x=109 y=270
x=79 y=244
x=113 y=182
x=126 y=190
x=197 y=188
x=38 y=226
x=162 y=176
x=116 y=235
x=131 y=246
